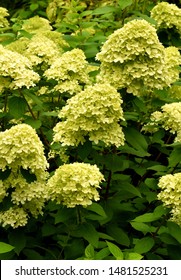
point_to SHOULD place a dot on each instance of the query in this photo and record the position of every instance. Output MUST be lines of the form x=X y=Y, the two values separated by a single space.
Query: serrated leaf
x=134 y=256
x=33 y=123
x=102 y=254
x=147 y=217
x=125 y=3
x=115 y=250
x=89 y=252
x=32 y=254
x=175 y=157
x=18 y=240
x=97 y=208
x=88 y=232
x=174 y=230
x=34 y=7
x=136 y=140
x=103 y=10
x=118 y=234
x=144 y=245
x=35 y=98
x=48 y=229
x=141 y=227
x=17 y=106
x=4 y=247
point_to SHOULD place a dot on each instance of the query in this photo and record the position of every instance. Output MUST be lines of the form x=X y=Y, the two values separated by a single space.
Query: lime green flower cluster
x=22 y=151
x=133 y=58
x=172 y=63
x=42 y=49
x=94 y=112
x=3 y=14
x=36 y=24
x=169 y=119
x=167 y=16
x=75 y=184
x=170 y=194
x=71 y=70
x=16 y=69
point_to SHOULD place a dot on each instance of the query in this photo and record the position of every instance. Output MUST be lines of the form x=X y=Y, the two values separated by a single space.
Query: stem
x=108 y=185
x=35 y=118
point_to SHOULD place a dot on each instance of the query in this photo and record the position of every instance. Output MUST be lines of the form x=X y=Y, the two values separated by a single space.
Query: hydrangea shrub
x=90 y=131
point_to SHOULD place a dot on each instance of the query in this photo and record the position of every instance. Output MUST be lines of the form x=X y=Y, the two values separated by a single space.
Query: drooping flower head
x=133 y=58
x=24 y=166
x=75 y=184
x=170 y=194
x=94 y=113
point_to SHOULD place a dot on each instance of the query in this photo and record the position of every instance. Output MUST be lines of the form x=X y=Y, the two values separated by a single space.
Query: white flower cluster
x=169 y=119
x=133 y=58
x=17 y=69
x=36 y=24
x=94 y=112
x=21 y=149
x=75 y=184
x=71 y=70
x=170 y=194
x=167 y=16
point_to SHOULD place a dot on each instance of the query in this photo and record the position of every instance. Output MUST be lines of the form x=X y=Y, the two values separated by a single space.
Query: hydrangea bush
x=90 y=131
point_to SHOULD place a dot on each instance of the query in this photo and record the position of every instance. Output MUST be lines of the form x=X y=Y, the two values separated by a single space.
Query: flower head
x=18 y=68
x=94 y=112
x=75 y=184
x=170 y=194
x=3 y=14
x=167 y=16
x=133 y=58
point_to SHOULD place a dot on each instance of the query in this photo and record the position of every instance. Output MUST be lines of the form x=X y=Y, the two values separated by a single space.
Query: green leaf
x=118 y=234
x=150 y=217
x=104 y=10
x=4 y=247
x=48 y=229
x=174 y=157
x=136 y=140
x=133 y=256
x=35 y=98
x=97 y=208
x=85 y=149
x=102 y=254
x=32 y=254
x=88 y=232
x=174 y=230
x=116 y=163
x=17 y=106
x=115 y=251
x=34 y=7
x=125 y=3
x=141 y=227
x=89 y=252
x=168 y=239
x=18 y=239
x=33 y=123
x=144 y=245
